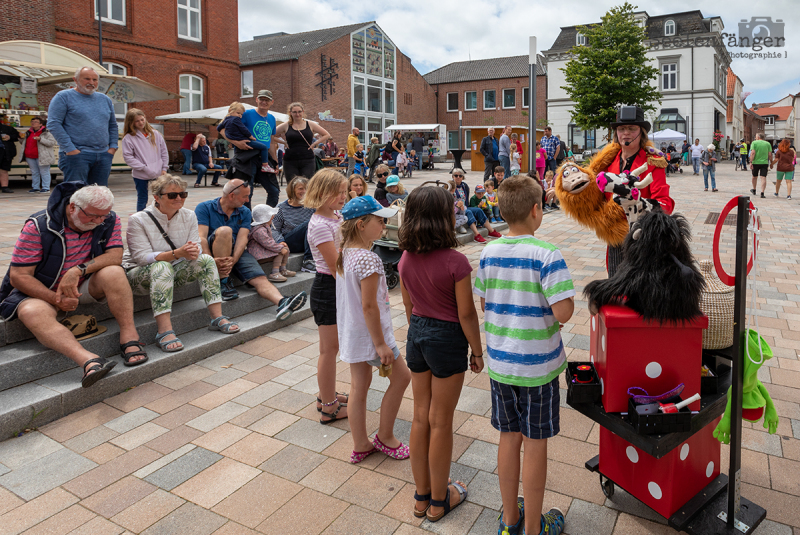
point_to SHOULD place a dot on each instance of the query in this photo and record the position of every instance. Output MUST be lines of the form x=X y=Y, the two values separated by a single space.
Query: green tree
x=610 y=70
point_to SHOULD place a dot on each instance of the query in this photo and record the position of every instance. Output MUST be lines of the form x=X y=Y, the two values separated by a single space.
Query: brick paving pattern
x=230 y=445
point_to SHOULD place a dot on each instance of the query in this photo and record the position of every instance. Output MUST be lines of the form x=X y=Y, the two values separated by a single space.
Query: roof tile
x=484 y=69
x=281 y=47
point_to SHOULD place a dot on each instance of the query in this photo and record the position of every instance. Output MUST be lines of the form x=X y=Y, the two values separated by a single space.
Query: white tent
x=667 y=136
x=211 y=116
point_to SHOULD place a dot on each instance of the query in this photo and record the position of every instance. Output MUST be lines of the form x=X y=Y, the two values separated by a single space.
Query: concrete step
x=26 y=361
x=55 y=396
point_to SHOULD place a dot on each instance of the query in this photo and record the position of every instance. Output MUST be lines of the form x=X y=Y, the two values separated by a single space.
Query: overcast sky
x=436 y=33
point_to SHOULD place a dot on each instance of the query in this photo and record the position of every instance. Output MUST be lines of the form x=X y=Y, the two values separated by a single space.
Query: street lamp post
x=100 y=30
x=532 y=105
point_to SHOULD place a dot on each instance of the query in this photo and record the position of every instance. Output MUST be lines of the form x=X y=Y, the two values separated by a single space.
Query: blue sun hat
x=366 y=205
x=392 y=180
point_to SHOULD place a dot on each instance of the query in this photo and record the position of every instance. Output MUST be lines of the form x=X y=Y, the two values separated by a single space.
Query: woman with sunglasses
x=164 y=252
x=381 y=173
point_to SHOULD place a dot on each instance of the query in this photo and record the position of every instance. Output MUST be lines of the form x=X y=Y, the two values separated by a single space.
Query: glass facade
x=374 y=95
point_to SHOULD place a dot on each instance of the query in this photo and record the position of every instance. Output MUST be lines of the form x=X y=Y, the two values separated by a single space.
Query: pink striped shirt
x=322 y=230
x=28 y=249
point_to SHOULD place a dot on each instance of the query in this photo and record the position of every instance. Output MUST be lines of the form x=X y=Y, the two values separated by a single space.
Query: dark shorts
x=530 y=410
x=247 y=268
x=760 y=169
x=438 y=346
x=5 y=161
x=322 y=300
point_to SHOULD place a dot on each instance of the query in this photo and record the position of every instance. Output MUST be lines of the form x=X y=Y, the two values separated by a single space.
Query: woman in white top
x=155 y=264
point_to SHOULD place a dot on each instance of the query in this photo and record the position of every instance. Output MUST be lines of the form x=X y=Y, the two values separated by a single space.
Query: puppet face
x=574 y=179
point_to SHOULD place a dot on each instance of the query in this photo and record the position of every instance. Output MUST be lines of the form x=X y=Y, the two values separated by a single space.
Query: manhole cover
x=730 y=219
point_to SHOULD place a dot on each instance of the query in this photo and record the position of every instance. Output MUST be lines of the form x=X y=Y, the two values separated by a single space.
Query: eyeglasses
x=172 y=195
x=93 y=216
x=382 y=175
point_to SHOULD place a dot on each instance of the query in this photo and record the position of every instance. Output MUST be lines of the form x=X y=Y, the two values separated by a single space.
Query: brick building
x=753 y=124
x=184 y=46
x=349 y=76
x=489 y=92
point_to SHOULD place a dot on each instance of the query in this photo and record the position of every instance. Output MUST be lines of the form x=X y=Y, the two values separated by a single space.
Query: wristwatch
x=82 y=267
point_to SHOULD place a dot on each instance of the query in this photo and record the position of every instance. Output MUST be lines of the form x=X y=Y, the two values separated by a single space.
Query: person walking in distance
x=760 y=162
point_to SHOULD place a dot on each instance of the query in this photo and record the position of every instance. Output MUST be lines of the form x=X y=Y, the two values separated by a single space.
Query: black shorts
x=438 y=346
x=760 y=169
x=322 y=300
x=5 y=161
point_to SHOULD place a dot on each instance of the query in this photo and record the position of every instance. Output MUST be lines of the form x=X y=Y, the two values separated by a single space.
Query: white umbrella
x=211 y=116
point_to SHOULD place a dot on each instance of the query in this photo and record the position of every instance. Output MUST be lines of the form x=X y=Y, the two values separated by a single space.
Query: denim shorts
x=377 y=360
x=322 y=299
x=436 y=345
x=530 y=410
x=247 y=268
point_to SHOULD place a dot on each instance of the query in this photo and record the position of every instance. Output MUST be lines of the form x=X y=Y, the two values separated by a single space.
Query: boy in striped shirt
x=526 y=293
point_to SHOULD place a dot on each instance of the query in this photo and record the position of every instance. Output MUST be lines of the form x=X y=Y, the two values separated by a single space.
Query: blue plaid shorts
x=530 y=410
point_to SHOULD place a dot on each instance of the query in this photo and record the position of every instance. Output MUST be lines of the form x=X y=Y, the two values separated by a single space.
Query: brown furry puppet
x=658 y=278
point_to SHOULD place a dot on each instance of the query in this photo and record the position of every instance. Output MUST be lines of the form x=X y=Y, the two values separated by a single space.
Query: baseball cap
x=265 y=93
x=479 y=189
x=393 y=180
x=366 y=205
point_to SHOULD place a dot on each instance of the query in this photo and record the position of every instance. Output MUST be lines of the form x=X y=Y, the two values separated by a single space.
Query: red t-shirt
x=188 y=140
x=430 y=279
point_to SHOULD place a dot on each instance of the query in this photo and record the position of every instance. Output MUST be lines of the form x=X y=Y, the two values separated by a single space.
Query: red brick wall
x=416 y=99
x=148 y=45
x=27 y=20
x=498 y=117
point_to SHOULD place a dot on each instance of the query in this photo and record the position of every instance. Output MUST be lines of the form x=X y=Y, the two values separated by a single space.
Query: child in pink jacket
x=262 y=246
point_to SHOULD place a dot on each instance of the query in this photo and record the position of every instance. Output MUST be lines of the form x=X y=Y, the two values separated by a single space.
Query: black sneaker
x=763 y=196
x=34 y=190
x=7 y=190
x=309 y=266
x=229 y=293
x=753 y=191
x=289 y=305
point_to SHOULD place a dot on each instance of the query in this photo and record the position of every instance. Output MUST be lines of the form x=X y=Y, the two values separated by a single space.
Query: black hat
x=631 y=115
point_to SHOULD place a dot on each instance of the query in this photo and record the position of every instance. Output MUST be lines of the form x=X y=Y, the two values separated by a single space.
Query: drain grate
x=730 y=219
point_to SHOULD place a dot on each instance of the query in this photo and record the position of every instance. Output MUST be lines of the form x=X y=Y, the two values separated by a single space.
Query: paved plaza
x=231 y=445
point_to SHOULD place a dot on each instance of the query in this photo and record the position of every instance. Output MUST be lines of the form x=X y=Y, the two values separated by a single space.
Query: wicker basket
x=716 y=302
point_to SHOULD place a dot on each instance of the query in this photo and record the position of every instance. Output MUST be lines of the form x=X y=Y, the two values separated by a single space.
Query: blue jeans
x=187 y=161
x=550 y=166
x=505 y=161
x=261 y=147
x=297 y=241
x=696 y=165
x=141 y=193
x=202 y=170
x=40 y=175
x=706 y=172
x=86 y=167
x=744 y=160
x=475 y=215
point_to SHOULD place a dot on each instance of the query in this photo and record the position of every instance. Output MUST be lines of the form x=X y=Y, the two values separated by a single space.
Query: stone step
x=28 y=360
x=52 y=397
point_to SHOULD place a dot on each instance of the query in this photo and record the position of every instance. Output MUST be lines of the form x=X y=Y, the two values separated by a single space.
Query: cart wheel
x=607 y=487
x=680 y=171
x=392 y=280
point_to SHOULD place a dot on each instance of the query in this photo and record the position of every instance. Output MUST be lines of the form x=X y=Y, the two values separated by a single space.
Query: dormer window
x=580 y=39
x=669 y=28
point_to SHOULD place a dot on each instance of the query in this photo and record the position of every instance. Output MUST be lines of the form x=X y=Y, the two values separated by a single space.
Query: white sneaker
x=461 y=230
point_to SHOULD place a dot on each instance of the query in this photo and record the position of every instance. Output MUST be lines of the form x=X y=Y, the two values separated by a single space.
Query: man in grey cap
x=262 y=125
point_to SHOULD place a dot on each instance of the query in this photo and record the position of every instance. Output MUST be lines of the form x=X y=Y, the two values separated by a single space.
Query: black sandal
x=99 y=368
x=445 y=504
x=343 y=403
x=332 y=415
x=128 y=356
x=424 y=498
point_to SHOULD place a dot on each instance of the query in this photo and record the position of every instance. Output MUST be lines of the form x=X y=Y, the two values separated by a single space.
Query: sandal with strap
x=332 y=415
x=98 y=368
x=224 y=328
x=424 y=498
x=164 y=343
x=126 y=357
x=358 y=456
x=446 y=502
x=343 y=403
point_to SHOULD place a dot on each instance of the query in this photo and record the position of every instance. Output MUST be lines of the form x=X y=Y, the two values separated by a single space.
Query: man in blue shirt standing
x=85 y=127
x=504 y=151
x=552 y=147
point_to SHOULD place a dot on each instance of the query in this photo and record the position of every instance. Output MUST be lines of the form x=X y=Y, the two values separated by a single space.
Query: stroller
x=390 y=256
x=674 y=164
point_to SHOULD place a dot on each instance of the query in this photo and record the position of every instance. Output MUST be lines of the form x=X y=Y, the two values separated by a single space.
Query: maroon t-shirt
x=430 y=279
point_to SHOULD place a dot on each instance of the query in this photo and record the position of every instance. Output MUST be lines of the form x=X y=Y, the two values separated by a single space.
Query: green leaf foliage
x=610 y=70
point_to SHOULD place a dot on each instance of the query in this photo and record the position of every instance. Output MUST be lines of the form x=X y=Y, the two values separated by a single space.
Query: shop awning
x=211 y=116
x=417 y=127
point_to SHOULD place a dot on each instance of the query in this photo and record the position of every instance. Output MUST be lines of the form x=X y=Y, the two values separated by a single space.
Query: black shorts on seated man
x=224 y=226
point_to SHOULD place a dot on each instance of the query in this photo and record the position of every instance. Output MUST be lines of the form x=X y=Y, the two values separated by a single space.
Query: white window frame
x=503 y=103
x=769 y=120
x=465 y=101
x=252 y=83
x=667 y=25
x=449 y=109
x=580 y=39
x=121 y=69
x=526 y=90
x=97 y=4
x=495 y=99
x=189 y=11
x=189 y=92
x=663 y=72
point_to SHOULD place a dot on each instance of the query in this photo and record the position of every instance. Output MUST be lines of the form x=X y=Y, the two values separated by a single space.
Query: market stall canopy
x=667 y=136
x=52 y=64
x=417 y=127
x=211 y=116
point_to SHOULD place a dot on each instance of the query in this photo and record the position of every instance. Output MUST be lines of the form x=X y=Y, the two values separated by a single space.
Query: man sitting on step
x=224 y=226
x=68 y=255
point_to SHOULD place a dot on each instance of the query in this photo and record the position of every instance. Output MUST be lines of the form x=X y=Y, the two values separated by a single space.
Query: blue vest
x=50 y=224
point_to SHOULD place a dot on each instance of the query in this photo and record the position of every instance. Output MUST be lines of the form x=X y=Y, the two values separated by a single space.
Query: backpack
x=562 y=153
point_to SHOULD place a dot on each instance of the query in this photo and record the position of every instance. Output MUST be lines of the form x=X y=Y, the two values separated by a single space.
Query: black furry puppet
x=658 y=277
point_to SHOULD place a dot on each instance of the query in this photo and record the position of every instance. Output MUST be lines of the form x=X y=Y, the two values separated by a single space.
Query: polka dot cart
x=676 y=474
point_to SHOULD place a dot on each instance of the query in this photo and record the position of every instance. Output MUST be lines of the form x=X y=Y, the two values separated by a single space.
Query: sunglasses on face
x=172 y=195
x=382 y=175
x=458 y=175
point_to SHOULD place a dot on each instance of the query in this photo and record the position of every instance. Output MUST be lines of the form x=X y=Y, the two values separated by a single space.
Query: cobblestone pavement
x=230 y=445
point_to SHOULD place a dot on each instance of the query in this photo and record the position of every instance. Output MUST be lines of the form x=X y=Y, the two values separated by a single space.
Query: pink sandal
x=400 y=452
x=358 y=456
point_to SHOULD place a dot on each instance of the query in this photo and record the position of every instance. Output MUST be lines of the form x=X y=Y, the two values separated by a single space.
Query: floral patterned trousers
x=160 y=278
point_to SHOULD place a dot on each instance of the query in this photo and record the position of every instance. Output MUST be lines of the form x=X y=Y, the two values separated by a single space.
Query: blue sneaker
x=519 y=527
x=552 y=522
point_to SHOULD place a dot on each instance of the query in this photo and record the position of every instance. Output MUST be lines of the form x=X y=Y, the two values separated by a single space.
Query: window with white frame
x=769 y=120
x=192 y=92
x=669 y=28
x=669 y=76
x=452 y=102
x=189 y=26
x=526 y=96
x=509 y=98
x=358 y=94
x=388 y=98
x=489 y=99
x=468 y=139
x=470 y=100
x=120 y=108
x=580 y=39
x=247 y=84
x=374 y=95
x=112 y=11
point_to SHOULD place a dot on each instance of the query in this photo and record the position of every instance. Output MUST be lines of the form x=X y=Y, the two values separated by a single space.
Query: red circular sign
x=723 y=275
